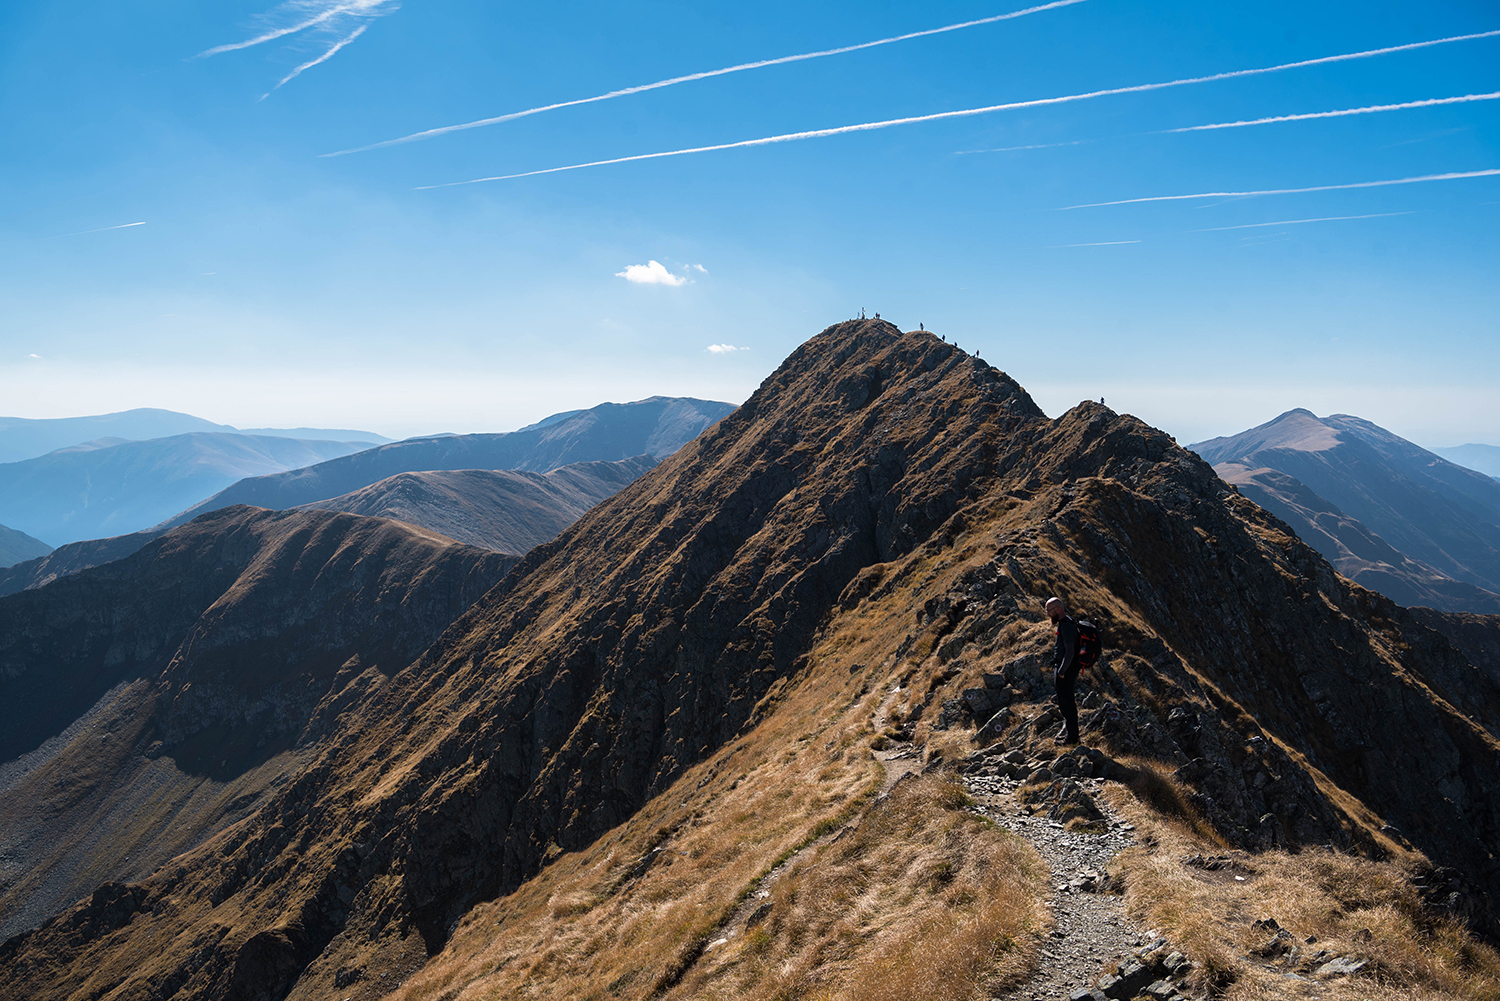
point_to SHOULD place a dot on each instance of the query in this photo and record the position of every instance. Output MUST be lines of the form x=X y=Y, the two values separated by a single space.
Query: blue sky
x=270 y=285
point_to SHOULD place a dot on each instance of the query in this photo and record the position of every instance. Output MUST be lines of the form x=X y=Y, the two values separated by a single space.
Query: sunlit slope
x=884 y=511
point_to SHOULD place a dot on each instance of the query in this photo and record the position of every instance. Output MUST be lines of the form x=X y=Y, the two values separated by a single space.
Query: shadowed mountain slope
x=71 y=558
x=147 y=703
x=702 y=651
x=1429 y=509
x=18 y=547
x=509 y=511
x=1354 y=550
x=609 y=432
x=111 y=487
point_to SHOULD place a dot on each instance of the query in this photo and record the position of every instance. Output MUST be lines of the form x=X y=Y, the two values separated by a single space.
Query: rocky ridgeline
x=664 y=624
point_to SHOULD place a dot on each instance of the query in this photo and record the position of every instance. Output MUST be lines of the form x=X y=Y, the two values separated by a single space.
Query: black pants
x=1066 y=682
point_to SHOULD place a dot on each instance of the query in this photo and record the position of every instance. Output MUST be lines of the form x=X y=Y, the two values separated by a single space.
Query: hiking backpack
x=1090 y=645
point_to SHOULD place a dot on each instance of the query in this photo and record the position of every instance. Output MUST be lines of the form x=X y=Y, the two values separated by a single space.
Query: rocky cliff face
x=150 y=701
x=878 y=483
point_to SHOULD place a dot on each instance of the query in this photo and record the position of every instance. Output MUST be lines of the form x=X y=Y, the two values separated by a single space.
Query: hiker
x=1065 y=667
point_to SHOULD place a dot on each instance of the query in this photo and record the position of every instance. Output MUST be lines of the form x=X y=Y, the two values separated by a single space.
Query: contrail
x=740 y=68
x=888 y=123
x=1372 y=109
x=1107 y=243
x=1292 y=191
x=1010 y=149
x=101 y=229
x=1298 y=222
x=334 y=11
x=323 y=58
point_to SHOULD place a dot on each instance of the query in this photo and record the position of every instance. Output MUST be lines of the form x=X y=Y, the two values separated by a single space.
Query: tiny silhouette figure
x=877 y=316
x=920 y=327
x=943 y=338
x=1101 y=401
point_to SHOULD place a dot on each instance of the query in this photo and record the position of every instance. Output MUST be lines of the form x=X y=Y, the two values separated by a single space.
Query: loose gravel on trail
x=1091 y=927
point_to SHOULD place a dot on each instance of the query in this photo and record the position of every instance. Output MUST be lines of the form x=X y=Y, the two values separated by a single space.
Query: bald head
x=1056 y=609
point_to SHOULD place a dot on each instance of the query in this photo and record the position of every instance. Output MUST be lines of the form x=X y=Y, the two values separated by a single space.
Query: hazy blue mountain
x=112 y=487
x=22 y=438
x=507 y=510
x=609 y=432
x=1442 y=517
x=17 y=547
x=1484 y=458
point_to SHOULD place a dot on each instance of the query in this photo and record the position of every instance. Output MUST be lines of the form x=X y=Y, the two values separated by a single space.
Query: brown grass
x=920 y=898
x=1350 y=906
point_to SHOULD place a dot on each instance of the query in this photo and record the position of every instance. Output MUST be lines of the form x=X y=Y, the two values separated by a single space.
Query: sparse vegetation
x=1344 y=904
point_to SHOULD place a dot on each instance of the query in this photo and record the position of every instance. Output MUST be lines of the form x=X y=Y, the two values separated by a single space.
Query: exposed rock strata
x=670 y=617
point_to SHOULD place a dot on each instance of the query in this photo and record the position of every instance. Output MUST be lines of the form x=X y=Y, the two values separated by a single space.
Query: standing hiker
x=1065 y=666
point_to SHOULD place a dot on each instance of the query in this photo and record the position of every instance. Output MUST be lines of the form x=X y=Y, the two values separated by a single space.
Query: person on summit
x=1065 y=665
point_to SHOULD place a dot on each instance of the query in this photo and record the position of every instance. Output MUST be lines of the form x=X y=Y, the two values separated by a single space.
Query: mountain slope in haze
x=147 y=703
x=1483 y=458
x=1429 y=509
x=18 y=547
x=609 y=432
x=704 y=651
x=112 y=487
x=1354 y=550
x=509 y=511
x=23 y=438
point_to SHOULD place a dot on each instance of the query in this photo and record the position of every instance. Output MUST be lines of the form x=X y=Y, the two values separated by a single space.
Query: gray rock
x=1342 y=966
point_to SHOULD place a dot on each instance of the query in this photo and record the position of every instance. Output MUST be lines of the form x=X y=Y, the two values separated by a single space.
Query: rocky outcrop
x=871 y=465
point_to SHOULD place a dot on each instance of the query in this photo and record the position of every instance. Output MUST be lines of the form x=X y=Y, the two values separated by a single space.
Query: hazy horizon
x=307 y=214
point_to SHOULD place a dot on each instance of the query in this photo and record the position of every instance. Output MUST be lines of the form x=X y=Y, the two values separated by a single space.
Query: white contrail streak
x=429 y=133
x=1298 y=222
x=323 y=58
x=1372 y=109
x=280 y=32
x=101 y=229
x=1107 y=243
x=967 y=112
x=1010 y=149
x=1292 y=191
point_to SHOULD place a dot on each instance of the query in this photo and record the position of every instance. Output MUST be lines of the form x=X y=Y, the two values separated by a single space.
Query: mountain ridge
x=99 y=489
x=1442 y=517
x=881 y=519
x=508 y=511
x=657 y=426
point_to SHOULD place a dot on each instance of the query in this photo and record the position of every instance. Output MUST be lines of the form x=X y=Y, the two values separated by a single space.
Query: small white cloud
x=650 y=273
x=724 y=349
x=701 y=268
x=37 y=356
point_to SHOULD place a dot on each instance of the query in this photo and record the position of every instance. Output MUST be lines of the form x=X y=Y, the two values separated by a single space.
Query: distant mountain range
x=163 y=696
x=17 y=547
x=112 y=486
x=657 y=427
x=1385 y=512
x=509 y=511
x=1485 y=458
x=22 y=438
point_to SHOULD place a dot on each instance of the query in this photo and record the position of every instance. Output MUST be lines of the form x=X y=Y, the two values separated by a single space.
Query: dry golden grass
x=921 y=898
x=919 y=892
x=1350 y=906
